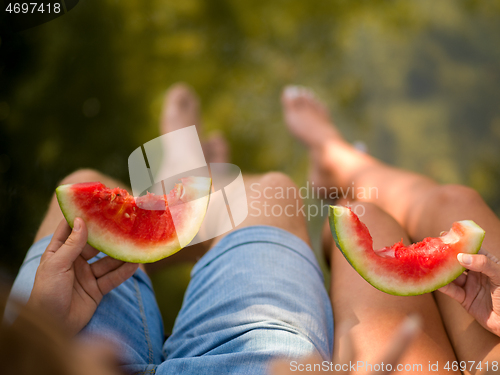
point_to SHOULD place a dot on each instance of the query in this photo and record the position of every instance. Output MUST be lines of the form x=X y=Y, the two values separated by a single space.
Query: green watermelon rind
x=66 y=209
x=336 y=212
x=60 y=191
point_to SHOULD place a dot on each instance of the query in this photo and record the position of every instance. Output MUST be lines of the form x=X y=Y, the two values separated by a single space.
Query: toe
x=306 y=92
x=306 y=116
x=290 y=92
x=300 y=97
x=294 y=97
x=181 y=95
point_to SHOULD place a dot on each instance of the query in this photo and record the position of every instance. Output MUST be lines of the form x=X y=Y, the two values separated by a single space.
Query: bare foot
x=306 y=117
x=181 y=108
x=308 y=120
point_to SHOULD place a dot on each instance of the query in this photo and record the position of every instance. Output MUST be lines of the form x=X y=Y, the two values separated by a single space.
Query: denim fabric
x=127 y=316
x=257 y=295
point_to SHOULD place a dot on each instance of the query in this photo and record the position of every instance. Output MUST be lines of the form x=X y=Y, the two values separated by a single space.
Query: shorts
x=257 y=295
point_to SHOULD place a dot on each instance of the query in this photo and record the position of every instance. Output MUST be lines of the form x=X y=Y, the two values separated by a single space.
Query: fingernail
x=464 y=258
x=77 y=225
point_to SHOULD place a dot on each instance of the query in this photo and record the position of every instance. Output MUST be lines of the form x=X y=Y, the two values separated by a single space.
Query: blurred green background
x=417 y=81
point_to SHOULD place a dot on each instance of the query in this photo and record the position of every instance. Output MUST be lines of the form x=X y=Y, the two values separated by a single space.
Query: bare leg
x=259 y=213
x=375 y=316
x=182 y=109
x=420 y=205
x=272 y=211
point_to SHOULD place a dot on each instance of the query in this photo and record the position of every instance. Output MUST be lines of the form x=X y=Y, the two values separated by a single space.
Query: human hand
x=407 y=332
x=478 y=290
x=68 y=288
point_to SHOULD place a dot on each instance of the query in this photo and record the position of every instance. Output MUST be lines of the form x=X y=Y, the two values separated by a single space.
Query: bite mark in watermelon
x=139 y=230
x=404 y=270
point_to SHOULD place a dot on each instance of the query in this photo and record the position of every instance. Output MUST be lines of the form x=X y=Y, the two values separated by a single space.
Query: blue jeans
x=257 y=295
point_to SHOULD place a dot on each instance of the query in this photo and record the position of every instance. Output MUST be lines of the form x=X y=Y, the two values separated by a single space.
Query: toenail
x=292 y=91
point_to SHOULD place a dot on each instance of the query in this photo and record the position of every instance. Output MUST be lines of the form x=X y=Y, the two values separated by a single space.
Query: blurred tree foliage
x=418 y=81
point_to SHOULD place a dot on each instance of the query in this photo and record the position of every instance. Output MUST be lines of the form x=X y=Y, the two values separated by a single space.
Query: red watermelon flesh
x=143 y=229
x=405 y=270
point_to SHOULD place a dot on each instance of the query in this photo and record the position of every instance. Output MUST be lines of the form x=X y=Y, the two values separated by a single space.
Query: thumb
x=73 y=245
x=481 y=263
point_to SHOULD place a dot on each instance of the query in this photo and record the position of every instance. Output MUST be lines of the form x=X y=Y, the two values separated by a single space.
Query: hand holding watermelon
x=423 y=267
x=66 y=286
x=478 y=290
x=405 y=270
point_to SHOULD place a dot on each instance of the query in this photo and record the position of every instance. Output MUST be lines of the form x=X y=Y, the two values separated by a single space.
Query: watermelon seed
x=127 y=215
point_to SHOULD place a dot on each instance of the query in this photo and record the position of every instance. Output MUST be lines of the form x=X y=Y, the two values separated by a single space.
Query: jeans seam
x=144 y=321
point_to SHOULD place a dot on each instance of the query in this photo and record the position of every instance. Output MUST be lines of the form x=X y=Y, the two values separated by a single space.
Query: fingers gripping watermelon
x=400 y=270
x=139 y=230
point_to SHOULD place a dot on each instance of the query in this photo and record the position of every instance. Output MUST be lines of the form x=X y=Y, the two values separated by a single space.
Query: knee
x=273 y=200
x=273 y=185
x=82 y=175
x=277 y=180
x=453 y=195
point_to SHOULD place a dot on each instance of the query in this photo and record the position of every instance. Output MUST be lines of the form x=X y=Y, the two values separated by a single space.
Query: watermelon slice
x=138 y=230
x=404 y=271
